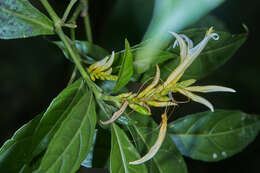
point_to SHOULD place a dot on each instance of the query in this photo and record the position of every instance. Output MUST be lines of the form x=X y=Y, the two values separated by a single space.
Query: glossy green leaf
x=170 y=15
x=126 y=69
x=168 y=159
x=58 y=110
x=88 y=51
x=19 y=19
x=87 y=162
x=214 y=136
x=14 y=155
x=73 y=140
x=216 y=53
x=122 y=152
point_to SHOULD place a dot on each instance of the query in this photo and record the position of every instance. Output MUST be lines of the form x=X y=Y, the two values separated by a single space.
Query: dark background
x=33 y=71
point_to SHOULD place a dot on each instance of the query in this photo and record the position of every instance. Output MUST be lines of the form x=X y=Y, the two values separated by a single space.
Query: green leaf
x=214 y=136
x=216 y=53
x=170 y=15
x=58 y=110
x=88 y=51
x=122 y=152
x=126 y=70
x=13 y=154
x=19 y=19
x=87 y=162
x=72 y=142
x=168 y=158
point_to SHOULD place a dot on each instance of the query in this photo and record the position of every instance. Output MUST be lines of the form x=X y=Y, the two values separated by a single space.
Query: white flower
x=188 y=54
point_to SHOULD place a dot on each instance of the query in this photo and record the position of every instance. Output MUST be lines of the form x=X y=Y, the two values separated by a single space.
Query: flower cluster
x=160 y=95
x=102 y=69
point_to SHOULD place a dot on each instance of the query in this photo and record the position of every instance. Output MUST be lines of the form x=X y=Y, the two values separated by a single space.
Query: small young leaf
x=214 y=136
x=88 y=51
x=72 y=142
x=122 y=152
x=167 y=159
x=19 y=19
x=212 y=57
x=126 y=70
x=13 y=154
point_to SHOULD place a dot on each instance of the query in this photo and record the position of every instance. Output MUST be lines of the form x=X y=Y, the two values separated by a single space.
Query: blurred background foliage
x=33 y=71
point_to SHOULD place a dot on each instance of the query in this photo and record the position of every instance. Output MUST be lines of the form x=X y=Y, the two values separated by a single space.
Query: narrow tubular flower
x=154 y=149
x=188 y=55
x=209 y=88
x=153 y=84
x=117 y=114
x=196 y=98
x=161 y=104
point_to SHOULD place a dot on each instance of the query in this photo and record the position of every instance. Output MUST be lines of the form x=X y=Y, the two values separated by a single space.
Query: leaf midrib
x=121 y=150
x=215 y=134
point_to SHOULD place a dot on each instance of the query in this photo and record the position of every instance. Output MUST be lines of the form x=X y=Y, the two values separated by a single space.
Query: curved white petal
x=196 y=98
x=209 y=88
x=194 y=52
x=187 y=61
x=182 y=44
x=188 y=40
x=109 y=62
x=154 y=149
x=98 y=64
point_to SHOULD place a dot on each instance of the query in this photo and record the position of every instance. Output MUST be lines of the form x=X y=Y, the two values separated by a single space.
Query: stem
x=87 y=21
x=68 y=9
x=72 y=34
x=74 y=55
x=73 y=19
x=76 y=58
x=75 y=14
x=50 y=10
x=73 y=75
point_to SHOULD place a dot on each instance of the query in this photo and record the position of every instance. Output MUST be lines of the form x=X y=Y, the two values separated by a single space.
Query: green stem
x=72 y=34
x=75 y=14
x=68 y=9
x=76 y=58
x=73 y=75
x=74 y=55
x=73 y=19
x=50 y=10
x=87 y=21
